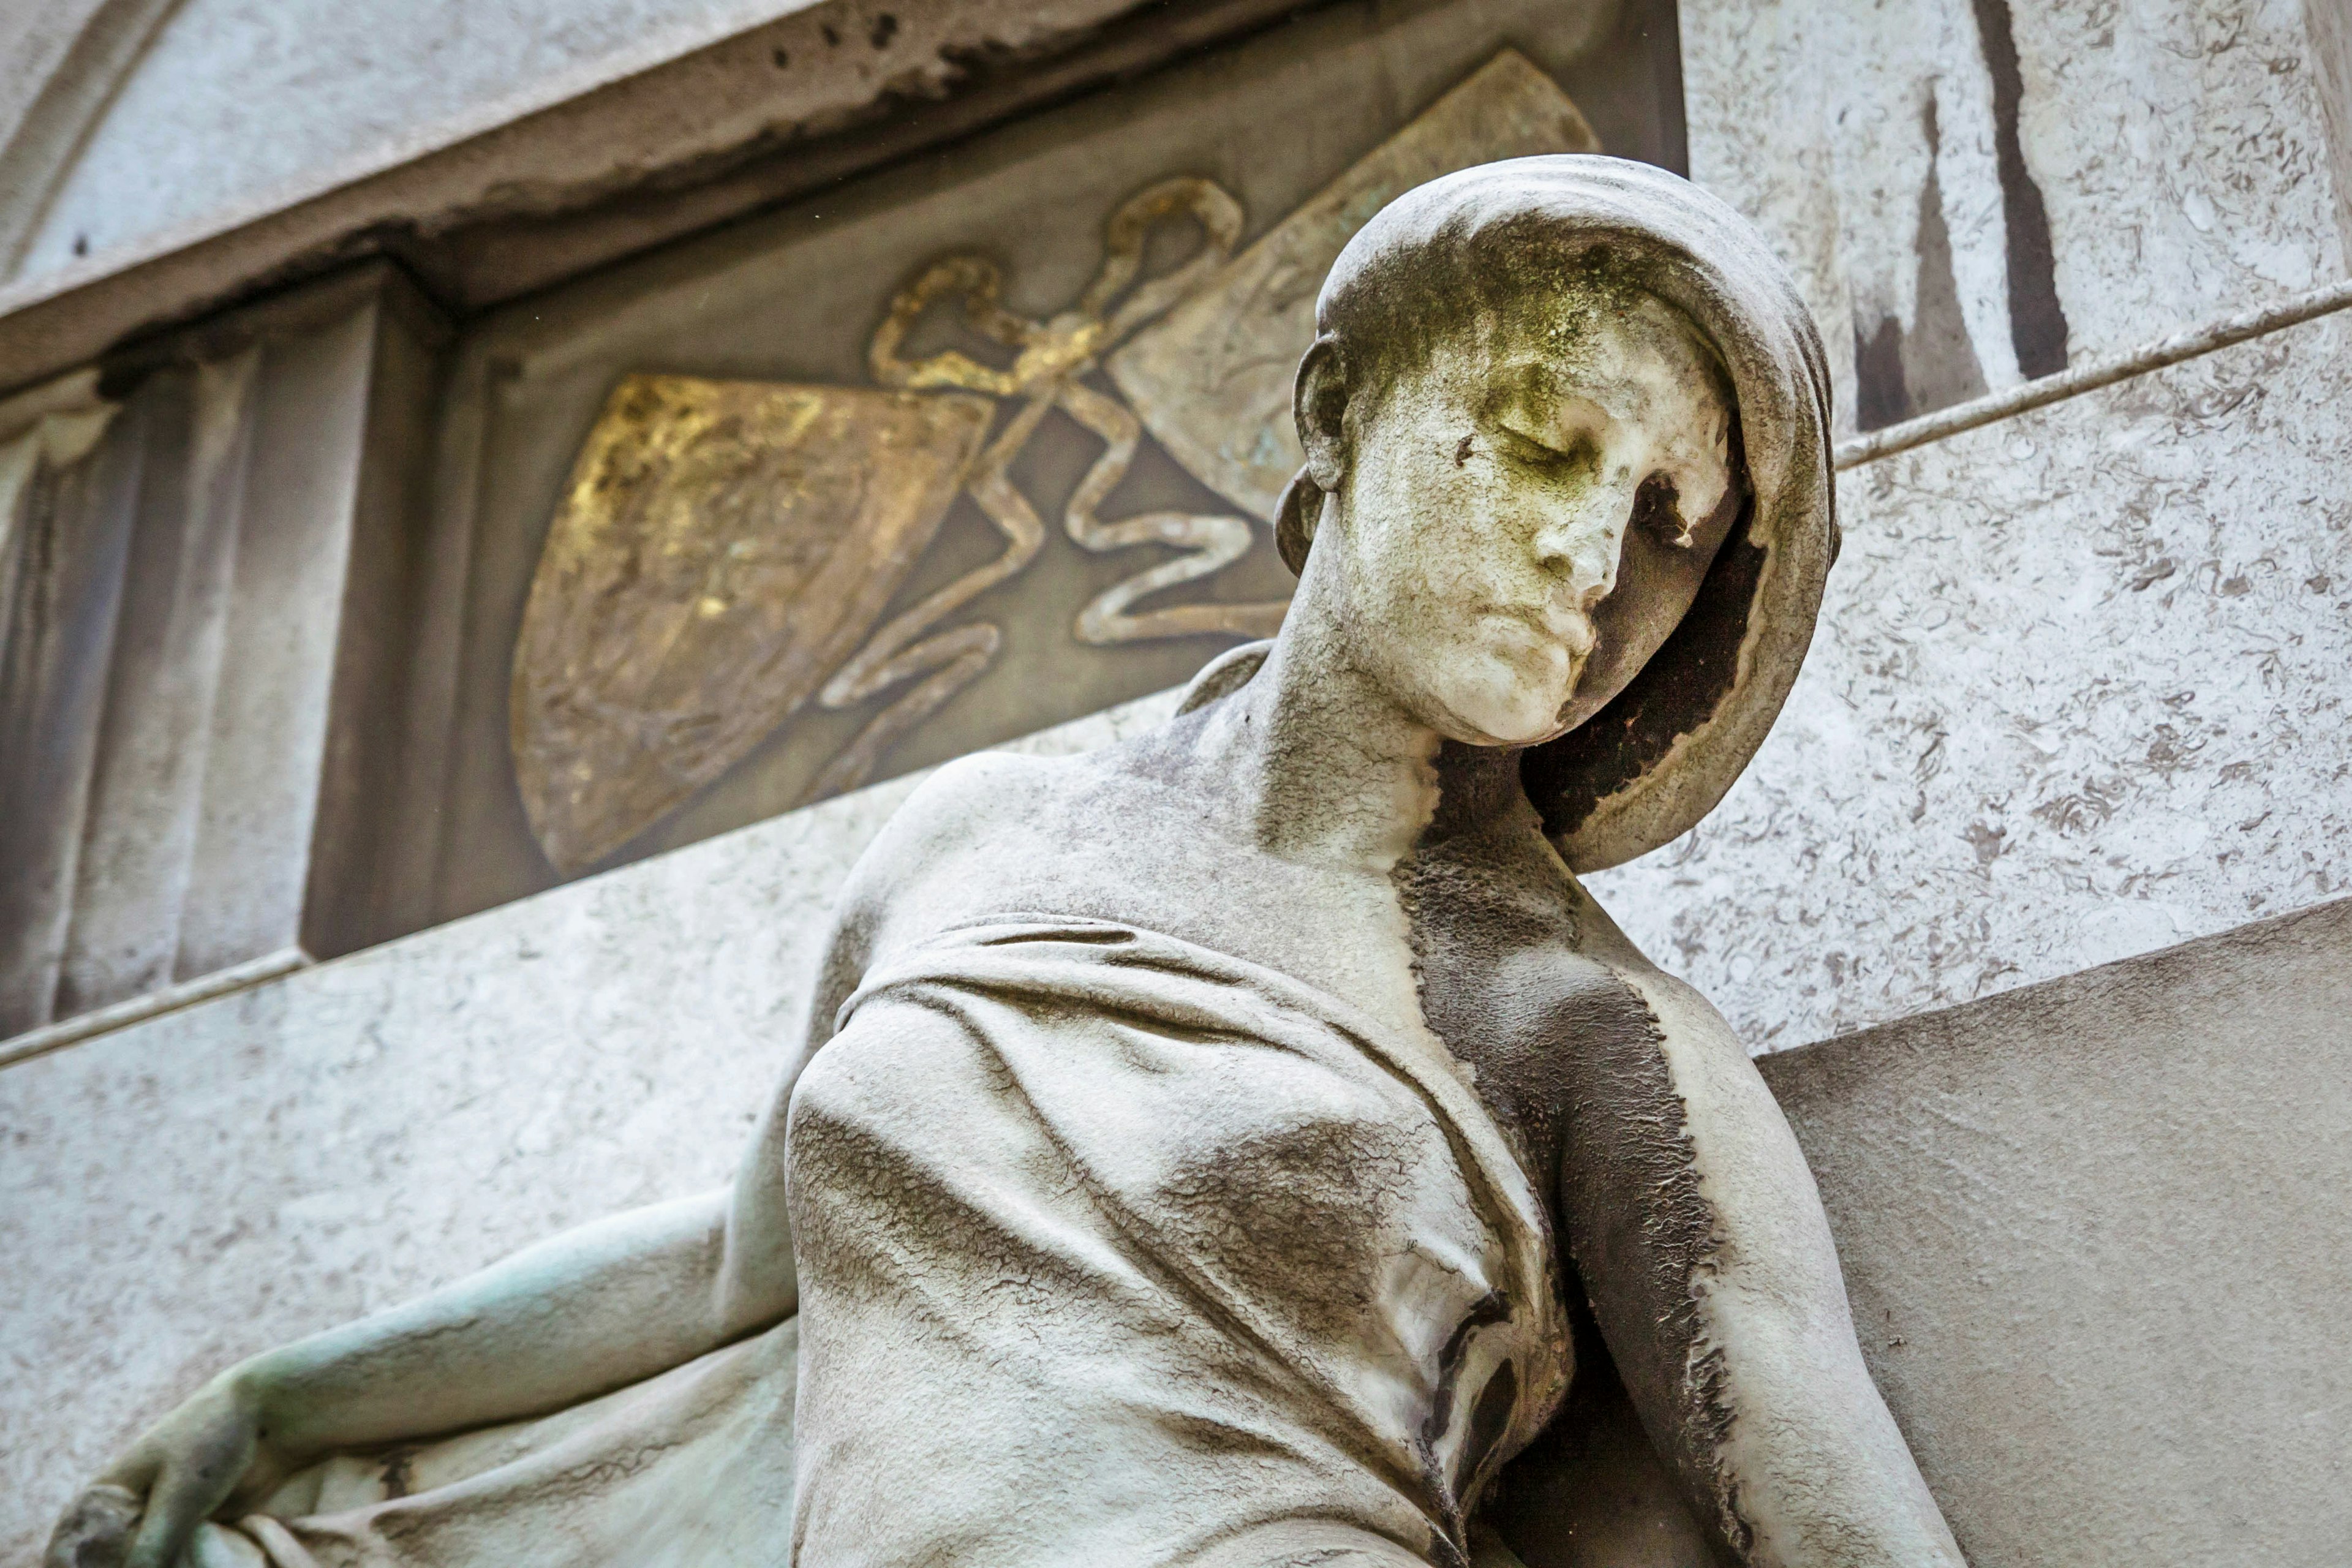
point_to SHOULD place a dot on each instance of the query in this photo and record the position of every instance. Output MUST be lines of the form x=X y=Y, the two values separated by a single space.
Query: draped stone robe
x=1114 y=1250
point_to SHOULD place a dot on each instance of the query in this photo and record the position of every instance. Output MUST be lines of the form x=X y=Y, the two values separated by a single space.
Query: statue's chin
x=1510 y=711
x=1572 y=715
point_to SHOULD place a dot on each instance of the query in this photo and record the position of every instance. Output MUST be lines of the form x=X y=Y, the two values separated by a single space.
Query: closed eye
x=1575 y=460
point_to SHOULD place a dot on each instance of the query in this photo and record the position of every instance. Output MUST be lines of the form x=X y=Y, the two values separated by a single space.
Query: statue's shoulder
x=990 y=791
x=1683 y=1011
x=1073 y=791
x=962 y=803
x=983 y=821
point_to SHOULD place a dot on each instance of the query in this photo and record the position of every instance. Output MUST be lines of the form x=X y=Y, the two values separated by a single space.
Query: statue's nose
x=1579 y=547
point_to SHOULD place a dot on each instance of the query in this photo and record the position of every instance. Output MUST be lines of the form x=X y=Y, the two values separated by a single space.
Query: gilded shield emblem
x=720 y=549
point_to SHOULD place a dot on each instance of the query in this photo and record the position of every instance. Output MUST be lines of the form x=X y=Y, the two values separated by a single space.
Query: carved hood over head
x=1644 y=770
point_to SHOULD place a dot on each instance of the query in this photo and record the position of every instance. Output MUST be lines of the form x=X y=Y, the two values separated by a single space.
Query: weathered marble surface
x=229 y=102
x=2077 y=693
x=2096 y=1237
x=188 y=1191
x=2173 y=156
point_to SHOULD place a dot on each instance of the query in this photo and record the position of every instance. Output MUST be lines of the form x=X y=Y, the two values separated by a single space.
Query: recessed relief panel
x=943 y=458
x=725 y=551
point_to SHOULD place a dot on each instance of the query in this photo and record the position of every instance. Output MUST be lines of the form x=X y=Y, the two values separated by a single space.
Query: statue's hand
x=142 y=1512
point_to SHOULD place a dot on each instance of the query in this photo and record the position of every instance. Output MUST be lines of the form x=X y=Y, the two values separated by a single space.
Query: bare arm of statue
x=1720 y=1296
x=599 y=1307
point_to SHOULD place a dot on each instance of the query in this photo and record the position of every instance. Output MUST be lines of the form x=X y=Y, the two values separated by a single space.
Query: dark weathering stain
x=1571 y=1063
x=2037 y=325
x=1879 y=397
x=1679 y=689
x=1484 y=1431
x=1899 y=374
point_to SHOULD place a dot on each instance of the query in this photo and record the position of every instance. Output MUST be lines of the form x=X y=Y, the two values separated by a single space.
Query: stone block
x=2095 y=1234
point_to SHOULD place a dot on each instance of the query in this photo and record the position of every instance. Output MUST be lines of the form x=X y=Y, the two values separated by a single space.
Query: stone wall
x=2095 y=1234
x=2074 y=695
x=1976 y=192
x=2077 y=694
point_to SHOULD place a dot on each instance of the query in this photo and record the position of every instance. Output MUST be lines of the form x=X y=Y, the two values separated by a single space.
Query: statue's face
x=1523 y=523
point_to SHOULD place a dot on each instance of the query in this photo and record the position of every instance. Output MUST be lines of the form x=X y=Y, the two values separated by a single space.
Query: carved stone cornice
x=593 y=167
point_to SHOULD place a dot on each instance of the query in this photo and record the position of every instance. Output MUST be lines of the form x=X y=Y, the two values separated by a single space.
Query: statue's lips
x=1545 y=627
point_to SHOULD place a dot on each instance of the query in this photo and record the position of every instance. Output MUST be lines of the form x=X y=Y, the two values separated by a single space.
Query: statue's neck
x=1326 y=763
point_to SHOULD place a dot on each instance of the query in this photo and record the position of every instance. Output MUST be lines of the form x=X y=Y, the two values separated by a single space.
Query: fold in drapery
x=1116 y=1249
x=692 y=1468
x=1113 y=1250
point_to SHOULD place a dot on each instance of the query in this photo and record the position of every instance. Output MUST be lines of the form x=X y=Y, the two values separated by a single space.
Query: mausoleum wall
x=2076 y=698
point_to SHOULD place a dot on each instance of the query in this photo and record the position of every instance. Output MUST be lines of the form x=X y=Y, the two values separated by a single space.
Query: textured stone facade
x=1975 y=191
x=2077 y=694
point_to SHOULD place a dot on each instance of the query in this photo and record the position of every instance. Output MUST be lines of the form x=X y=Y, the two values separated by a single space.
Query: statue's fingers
x=95 y=1530
x=183 y=1495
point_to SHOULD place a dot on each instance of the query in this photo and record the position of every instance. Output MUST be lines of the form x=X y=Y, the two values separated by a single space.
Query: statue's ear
x=1295 y=517
x=1320 y=403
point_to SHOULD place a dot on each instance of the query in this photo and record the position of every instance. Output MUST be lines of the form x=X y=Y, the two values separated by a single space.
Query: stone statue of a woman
x=1216 y=1150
